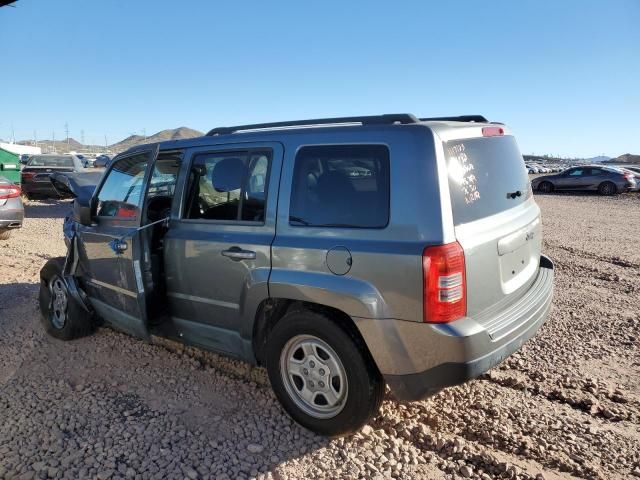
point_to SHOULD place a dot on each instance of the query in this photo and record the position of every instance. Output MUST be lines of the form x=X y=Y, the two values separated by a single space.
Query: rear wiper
x=336 y=225
x=515 y=194
x=299 y=220
x=306 y=223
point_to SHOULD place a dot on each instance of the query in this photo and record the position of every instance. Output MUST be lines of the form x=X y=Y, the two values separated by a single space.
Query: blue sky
x=565 y=75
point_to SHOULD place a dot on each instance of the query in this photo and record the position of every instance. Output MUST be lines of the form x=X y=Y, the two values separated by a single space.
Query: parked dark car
x=11 y=209
x=604 y=180
x=344 y=255
x=102 y=161
x=35 y=174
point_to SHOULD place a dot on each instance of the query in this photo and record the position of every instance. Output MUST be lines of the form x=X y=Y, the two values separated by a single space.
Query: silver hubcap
x=313 y=376
x=58 y=302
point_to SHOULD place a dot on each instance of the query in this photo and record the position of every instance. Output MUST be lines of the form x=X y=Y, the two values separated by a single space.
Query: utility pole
x=66 y=129
x=105 y=142
x=144 y=132
x=13 y=135
x=82 y=136
x=53 y=141
x=35 y=138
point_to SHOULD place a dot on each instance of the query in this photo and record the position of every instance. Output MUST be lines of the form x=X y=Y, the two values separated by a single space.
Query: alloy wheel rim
x=59 y=302
x=314 y=376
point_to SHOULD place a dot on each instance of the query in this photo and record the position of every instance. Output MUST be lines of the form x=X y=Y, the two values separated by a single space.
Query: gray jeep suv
x=342 y=254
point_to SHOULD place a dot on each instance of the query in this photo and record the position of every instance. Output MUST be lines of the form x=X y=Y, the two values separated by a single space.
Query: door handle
x=118 y=246
x=236 y=253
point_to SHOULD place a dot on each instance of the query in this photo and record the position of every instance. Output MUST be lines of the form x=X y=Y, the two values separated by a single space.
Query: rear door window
x=341 y=186
x=486 y=176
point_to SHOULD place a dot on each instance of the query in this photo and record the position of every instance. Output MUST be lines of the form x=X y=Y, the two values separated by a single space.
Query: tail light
x=492 y=131
x=9 y=191
x=629 y=176
x=27 y=175
x=444 y=281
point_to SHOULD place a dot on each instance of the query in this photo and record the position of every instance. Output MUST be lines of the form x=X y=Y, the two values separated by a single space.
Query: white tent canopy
x=20 y=149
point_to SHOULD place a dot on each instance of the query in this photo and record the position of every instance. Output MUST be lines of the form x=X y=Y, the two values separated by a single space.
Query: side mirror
x=82 y=212
x=23 y=161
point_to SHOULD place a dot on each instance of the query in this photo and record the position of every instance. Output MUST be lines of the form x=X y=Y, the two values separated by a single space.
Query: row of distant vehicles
x=537 y=168
x=99 y=161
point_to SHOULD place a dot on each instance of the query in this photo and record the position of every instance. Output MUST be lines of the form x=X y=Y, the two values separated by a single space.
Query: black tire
x=545 y=187
x=607 y=188
x=77 y=321
x=364 y=387
x=5 y=234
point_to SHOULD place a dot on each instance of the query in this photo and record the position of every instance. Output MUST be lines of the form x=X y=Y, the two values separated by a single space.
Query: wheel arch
x=272 y=310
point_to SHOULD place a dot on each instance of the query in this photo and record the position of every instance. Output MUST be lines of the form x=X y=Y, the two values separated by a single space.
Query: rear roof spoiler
x=461 y=118
x=386 y=119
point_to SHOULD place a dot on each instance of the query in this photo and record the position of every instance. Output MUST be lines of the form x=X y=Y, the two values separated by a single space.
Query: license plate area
x=519 y=254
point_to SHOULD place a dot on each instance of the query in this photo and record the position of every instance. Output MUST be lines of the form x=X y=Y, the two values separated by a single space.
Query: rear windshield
x=486 y=176
x=60 y=161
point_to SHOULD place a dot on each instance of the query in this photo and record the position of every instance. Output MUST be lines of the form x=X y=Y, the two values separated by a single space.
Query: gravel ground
x=108 y=406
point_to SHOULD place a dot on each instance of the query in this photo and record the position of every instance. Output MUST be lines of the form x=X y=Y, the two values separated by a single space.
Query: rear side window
x=341 y=186
x=229 y=186
x=486 y=176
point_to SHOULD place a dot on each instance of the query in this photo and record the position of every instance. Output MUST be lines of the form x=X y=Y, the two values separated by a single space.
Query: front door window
x=122 y=190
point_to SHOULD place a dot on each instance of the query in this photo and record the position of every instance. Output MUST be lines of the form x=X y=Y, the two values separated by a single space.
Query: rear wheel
x=322 y=375
x=545 y=187
x=5 y=234
x=607 y=188
x=62 y=317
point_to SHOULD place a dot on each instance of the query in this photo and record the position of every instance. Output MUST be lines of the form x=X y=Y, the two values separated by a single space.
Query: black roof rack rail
x=461 y=118
x=387 y=119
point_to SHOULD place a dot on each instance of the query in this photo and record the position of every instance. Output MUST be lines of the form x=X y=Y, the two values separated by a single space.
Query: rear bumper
x=418 y=359
x=40 y=188
x=11 y=214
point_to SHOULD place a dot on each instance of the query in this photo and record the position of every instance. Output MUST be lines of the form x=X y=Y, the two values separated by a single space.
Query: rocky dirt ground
x=108 y=406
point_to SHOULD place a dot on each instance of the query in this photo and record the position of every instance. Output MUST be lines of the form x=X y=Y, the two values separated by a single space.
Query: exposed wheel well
x=272 y=310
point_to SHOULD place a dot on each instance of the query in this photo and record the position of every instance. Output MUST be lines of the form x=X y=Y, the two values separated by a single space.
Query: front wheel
x=62 y=316
x=607 y=188
x=322 y=375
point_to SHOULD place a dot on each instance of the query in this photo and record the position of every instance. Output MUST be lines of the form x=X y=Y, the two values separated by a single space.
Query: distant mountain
x=61 y=146
x=626 y=158
x=170 y=134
